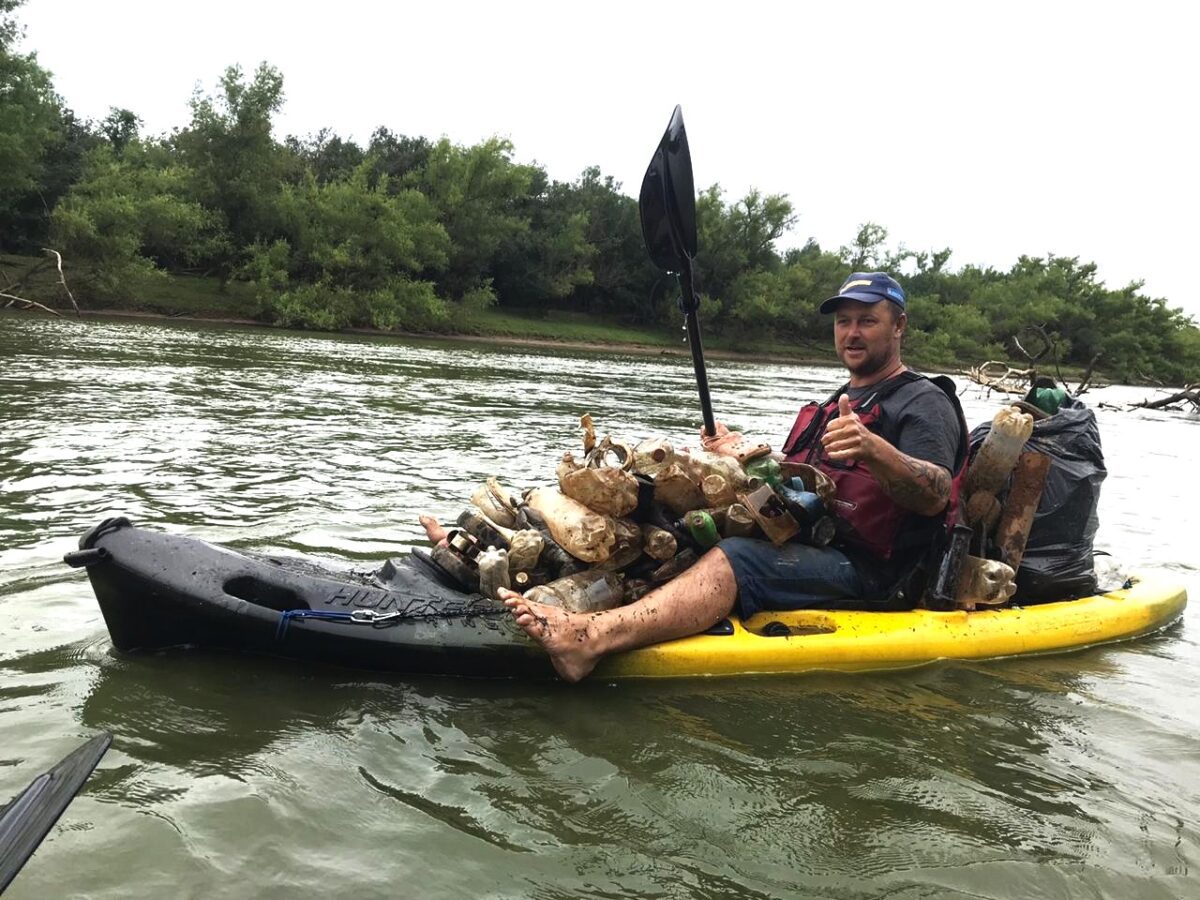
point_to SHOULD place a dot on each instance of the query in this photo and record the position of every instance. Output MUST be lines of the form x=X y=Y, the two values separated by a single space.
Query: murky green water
x=1069 y=776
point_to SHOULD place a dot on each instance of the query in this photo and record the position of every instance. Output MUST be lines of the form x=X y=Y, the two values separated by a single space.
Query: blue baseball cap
x=867 y=287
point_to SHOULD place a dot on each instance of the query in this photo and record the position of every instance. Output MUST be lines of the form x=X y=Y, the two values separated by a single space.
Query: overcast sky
x=1015 y=127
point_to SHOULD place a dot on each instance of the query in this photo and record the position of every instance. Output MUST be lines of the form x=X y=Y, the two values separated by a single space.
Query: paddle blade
x=667 y=202
x=33 y=812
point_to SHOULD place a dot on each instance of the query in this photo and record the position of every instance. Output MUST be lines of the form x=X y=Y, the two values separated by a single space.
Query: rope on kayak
x=356 y=617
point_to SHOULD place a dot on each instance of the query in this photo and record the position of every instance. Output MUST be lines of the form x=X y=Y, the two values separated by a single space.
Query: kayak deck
x=856 y=641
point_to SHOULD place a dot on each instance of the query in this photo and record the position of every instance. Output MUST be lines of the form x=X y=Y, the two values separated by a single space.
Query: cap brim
x=831 y=304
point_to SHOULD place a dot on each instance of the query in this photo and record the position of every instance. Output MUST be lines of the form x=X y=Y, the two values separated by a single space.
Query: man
x=890 y=441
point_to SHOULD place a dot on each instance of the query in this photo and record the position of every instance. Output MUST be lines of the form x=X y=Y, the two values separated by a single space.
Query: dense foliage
x=407 y=233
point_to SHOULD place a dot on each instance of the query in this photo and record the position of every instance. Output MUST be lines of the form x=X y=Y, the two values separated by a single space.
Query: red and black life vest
x=870 y=520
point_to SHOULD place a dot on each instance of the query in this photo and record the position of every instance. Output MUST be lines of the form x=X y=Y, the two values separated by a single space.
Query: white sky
x=1015 y=127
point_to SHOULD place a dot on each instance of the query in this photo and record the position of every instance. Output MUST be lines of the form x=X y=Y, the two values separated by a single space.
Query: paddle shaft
x=692 y=318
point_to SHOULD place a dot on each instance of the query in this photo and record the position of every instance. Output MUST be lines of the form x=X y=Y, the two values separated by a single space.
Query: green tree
x=238 y=167
x=478 y=193
x=131 y=217
x=30 y=120
x=350 y=254
x=327 y=156
x=547 y=261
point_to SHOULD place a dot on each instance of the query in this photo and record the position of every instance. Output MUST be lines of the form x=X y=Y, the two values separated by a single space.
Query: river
x=1075 y=775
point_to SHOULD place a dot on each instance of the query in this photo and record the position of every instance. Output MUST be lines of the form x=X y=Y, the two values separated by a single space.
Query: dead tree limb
x=62 y=279
x=29 y=304
x=1190 y=394
x=999 y=376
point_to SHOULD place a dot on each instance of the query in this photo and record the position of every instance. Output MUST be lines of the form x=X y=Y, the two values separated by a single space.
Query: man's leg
x=689 y=604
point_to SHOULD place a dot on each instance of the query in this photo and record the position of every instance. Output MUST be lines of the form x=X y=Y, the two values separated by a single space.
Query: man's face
x=867 y=336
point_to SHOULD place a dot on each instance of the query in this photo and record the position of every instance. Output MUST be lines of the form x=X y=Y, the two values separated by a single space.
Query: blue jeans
x=799 y=576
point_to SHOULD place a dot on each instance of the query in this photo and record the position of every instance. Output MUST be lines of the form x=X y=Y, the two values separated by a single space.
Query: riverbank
x=198 y=298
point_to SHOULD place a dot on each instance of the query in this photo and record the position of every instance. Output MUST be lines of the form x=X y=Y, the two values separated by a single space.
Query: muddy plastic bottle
x=1011 y=428
x=658 y=542
x=589 y=591
x=651 y=456
x=493 y=571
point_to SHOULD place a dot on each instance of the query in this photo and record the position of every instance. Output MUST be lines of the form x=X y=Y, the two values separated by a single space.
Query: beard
x=869 y=363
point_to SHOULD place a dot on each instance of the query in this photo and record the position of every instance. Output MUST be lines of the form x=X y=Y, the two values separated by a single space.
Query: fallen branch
x=63 y=278
x=998 y=376
x=1190 y=394
x=29 y=304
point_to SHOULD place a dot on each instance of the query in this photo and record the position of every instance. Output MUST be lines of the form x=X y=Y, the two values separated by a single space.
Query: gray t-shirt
x=920 y=421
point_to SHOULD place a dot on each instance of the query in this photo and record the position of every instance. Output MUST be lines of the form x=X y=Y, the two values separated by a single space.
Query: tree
x=326 y=155
x=478 y=193
x=131 y=217
x=866 y=253
x=238 y=167
x=350 y=254
x=120 y=127
x=29 y=119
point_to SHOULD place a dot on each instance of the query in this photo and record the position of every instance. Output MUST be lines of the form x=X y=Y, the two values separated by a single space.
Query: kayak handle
x=78 y=559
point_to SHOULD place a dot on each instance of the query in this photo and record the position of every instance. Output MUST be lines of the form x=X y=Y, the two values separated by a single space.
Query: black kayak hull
x=158 y=591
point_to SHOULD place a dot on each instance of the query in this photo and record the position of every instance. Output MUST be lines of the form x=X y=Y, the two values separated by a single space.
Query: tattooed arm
x=920 y=486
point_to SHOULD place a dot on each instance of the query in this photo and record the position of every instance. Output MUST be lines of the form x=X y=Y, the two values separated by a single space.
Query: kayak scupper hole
x=263 y=593
x=783 y=629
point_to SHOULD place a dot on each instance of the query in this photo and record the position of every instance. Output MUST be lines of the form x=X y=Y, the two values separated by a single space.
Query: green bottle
x=766 y=469
x=703 y=529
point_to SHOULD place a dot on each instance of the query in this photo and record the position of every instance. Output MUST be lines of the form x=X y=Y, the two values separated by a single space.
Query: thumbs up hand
x=846 y=437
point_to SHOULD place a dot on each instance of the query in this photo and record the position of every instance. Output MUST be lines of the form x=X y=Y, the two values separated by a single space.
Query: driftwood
x=33 y=304
x=62 y=279
x=28 y=304
x=1189 y=394
x=1000 y=376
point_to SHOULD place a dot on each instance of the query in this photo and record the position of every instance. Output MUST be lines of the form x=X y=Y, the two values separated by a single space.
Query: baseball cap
x=867 y=287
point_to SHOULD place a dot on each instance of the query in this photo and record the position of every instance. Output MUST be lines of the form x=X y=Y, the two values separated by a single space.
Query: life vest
x=869 y=519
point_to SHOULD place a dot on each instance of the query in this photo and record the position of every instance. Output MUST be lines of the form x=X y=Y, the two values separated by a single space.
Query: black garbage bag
x=1058 y=556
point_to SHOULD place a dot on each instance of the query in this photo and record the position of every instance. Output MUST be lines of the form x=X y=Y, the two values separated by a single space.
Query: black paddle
x=32 y=813
x=667 y=206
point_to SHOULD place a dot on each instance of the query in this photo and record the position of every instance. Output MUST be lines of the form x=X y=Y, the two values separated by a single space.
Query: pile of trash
x=627 y=517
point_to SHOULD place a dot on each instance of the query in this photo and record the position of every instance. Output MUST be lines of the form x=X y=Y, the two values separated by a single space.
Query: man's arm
x=917 y=485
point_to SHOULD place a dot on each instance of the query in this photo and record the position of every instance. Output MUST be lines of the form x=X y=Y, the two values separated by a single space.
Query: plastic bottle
x=607 y=490
x=493 y=572
x=738 y=522
x=525 y=548
x=717 y=491
x=584 y=534
x=1011 y=428
x=589 y=591
x=702 y=528
x=765 y=468
x=651 y=456
x=658 y=542
x=674 y=488
x=700 y=463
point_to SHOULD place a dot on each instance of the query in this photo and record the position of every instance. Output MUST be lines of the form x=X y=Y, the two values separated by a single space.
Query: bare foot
x=566 y=637
x=433 y=529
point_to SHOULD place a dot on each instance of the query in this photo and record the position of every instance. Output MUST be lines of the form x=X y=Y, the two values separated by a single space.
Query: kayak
x=159 y=591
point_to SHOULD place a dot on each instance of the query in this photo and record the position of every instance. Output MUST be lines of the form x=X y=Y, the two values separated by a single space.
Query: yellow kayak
x=855 y=641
